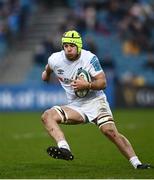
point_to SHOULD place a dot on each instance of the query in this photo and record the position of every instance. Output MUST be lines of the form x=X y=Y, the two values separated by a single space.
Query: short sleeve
x=95 y=67
x=50 y=62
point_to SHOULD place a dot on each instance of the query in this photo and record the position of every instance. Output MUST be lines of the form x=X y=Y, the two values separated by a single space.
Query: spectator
x=132 y=79
x=90 y=17
x=108 y=63
x=131 y=47
x=40 y=55
x=150 y=61
x=90 y=44
x=48 y=46
x=44 y=50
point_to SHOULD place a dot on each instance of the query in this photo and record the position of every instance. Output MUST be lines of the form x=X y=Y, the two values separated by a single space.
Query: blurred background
x=120 y=33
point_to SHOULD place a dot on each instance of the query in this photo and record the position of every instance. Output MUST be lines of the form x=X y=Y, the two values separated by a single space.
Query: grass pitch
x=23 y=143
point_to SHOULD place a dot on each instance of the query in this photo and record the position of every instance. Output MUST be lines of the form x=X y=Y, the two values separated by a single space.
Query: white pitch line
x=28 y=135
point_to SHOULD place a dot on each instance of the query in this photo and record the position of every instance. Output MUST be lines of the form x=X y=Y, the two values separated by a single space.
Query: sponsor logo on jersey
x=65 y=80
x=60 y=71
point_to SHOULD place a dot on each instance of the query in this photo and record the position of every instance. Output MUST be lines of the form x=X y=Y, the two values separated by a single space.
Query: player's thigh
x=73 y=117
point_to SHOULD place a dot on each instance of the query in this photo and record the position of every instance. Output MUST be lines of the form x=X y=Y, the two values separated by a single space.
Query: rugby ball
x=84 y=74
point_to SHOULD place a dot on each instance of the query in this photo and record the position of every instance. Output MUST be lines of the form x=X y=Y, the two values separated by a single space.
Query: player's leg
x=107 y=126
x=125 y=147
x=110 y=131
x=51 y=119
x=56 y=115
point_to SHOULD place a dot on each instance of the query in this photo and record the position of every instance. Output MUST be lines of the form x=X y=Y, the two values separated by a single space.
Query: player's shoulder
x=86 y=53
x=87 y=56
x=56 y=55
x=92 y=59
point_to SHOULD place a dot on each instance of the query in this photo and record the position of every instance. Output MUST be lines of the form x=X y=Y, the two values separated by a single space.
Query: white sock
x=135 y=161
x=63 y=144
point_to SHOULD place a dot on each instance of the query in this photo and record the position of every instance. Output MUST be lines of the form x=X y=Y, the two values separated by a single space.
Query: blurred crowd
x=14 y=15
x=130 y=21
x=133 y=20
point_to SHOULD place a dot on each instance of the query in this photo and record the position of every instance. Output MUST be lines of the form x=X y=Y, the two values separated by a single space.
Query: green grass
x=23 y=143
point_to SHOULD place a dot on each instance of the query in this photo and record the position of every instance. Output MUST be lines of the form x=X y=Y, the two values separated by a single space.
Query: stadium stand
x=17 y=62
x=121 y=30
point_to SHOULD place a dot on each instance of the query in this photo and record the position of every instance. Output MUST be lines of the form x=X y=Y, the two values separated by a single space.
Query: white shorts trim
x=108 y=122
x=62 y=113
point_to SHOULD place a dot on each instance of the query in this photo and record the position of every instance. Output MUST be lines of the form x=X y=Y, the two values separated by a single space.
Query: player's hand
x=79 y=84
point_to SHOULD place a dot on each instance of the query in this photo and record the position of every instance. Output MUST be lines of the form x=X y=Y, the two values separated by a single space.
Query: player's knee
x=45 y=116
x=109 y=132
x=48 y=115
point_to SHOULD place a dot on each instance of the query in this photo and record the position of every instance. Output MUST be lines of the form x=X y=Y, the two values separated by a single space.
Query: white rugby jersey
x=66 y=69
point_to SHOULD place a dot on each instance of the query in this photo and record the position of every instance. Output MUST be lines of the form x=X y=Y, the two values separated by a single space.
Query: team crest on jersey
x=60 y=71
x=80 y=68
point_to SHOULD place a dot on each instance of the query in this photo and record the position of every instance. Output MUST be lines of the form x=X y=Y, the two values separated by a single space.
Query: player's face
x=71 y=51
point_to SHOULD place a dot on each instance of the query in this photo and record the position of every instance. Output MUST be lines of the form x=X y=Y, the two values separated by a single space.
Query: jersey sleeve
x=95 y=67
x=51 y=62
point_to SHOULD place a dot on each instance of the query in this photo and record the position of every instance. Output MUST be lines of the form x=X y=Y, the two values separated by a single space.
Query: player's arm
x=98 y=83
x=46 y=73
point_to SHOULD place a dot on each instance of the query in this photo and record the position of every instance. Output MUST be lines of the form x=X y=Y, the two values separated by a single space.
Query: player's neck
x=74 y=58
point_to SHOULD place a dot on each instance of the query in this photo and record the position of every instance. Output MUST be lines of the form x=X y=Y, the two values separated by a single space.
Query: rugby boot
x=144 y=166
x=59 y=153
